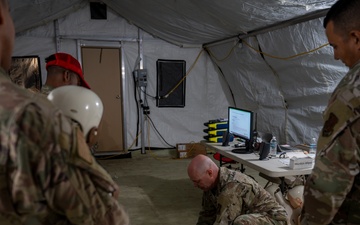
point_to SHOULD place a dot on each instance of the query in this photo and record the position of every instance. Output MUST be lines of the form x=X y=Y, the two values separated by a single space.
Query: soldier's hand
x=116 y=193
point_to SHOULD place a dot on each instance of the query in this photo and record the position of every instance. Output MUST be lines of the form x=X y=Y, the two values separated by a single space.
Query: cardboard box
x=190 y=150
x=301 y=163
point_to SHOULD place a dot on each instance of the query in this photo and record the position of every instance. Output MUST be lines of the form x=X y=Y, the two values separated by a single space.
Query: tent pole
x=57 y=37
x=142 y=94
x=276 y=26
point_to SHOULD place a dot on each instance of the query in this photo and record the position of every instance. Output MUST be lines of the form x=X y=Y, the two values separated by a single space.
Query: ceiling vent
x=98 y=11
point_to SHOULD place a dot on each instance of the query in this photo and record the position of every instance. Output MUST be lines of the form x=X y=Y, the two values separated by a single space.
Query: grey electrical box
x=141 y=77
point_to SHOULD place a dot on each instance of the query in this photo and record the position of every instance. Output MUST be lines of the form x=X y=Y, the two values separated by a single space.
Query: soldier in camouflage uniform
x=231 y=197
x=47 y=173
x=63 y=69
x=332 y=191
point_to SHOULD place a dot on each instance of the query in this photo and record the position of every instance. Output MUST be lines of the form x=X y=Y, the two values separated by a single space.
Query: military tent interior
x=267 y=56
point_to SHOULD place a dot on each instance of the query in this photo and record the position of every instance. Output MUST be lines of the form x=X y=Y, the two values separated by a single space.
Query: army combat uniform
x=332 y=191
x=47 y=173
x=238 y=199
x=46 y=89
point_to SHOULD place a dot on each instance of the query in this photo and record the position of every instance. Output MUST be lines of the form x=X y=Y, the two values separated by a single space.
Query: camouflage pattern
x=47 y=173
x=238 y=199
x=33 y=89
x=332 y=191
x=46 y=89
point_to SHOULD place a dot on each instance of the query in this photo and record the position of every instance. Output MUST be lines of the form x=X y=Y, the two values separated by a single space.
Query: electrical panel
x=141 y=77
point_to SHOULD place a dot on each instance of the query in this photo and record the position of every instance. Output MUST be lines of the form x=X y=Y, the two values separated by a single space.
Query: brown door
x=102 y=71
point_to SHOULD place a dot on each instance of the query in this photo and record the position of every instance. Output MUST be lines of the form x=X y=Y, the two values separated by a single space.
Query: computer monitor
x=240 y=122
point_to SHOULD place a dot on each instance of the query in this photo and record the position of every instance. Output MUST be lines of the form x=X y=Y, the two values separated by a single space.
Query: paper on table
x=296 y=154
x=286 y=161
x=312 y=155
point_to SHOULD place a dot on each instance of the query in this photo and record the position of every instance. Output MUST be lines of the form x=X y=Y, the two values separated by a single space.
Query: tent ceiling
x=182 y=22
x=28 y=14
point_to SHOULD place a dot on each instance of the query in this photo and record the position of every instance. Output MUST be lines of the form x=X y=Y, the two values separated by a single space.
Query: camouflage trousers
x=255 y=218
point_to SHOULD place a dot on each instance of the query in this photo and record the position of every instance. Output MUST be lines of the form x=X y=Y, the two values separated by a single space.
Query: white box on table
x=301 y=163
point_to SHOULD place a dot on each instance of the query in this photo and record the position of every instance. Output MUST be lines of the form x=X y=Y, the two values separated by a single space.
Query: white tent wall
x=289 y=96
x=205 y=97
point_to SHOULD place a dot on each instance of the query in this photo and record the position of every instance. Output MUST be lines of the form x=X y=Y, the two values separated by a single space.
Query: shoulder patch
x=82 y=148
x=329 y=125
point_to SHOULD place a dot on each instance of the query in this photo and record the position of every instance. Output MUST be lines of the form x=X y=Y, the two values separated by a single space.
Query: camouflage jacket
x=237 y=194
x=47 y=173
x=46 y=89
x=332 y=191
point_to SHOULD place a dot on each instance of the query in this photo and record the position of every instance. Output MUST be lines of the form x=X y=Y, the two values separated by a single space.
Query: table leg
x=242 y=168
x=282 y=185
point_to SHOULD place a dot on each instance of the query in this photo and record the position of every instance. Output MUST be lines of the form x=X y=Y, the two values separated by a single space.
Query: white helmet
x=80 y=104
x=295 y=196
x=273 y=189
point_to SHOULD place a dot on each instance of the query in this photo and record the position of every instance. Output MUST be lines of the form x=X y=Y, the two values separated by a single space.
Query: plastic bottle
x=312 y=146
x=273 y=147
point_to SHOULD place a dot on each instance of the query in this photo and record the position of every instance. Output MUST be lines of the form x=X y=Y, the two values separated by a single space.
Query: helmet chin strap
x=91 y=136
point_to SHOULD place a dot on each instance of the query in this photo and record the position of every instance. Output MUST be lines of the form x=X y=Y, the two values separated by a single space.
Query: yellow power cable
x=264 y=53
x=227 y=56
x=149 y=149
x=148 y=138
x=284 y=58
x=182 y=80
x=192 y=147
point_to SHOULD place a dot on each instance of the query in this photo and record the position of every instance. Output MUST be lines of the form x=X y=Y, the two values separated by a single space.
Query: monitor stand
x=240 y=151
x=243 y=150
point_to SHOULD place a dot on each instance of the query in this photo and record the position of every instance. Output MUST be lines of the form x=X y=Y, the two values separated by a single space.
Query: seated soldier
x=231 y=197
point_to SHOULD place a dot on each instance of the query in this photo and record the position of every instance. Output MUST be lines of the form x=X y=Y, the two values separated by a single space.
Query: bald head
x=199 y=165
x=203 y=172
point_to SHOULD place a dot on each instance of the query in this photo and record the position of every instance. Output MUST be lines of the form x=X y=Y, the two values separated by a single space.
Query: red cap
x=68 y=62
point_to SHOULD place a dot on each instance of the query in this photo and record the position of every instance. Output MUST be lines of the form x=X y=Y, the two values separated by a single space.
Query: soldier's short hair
x=345 y=15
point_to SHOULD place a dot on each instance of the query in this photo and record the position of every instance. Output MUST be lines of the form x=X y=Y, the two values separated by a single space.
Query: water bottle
x=273 y=146
x=312 y=146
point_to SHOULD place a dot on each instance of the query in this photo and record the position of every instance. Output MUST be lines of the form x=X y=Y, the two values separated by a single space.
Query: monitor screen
x=241 y=123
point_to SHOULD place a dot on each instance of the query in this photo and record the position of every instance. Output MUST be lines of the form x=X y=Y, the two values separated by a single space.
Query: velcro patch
x=329 y=125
